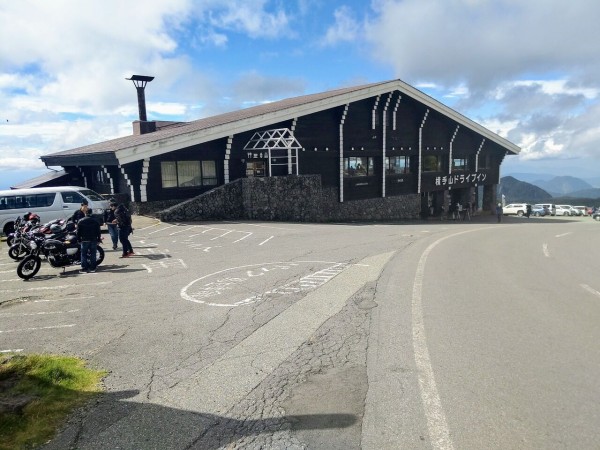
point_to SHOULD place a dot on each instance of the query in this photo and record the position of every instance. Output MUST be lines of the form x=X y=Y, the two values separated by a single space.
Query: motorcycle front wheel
x=16 y=252
x=29 y=267
x=99 y=255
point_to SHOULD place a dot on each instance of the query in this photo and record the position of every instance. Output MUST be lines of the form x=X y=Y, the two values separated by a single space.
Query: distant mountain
x=562 y=185
x=595 y=182
x=585 y=193
x=531 y=177
x=519 y=191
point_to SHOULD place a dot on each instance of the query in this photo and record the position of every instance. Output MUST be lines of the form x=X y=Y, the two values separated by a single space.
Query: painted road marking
x=545 y=250
x=266 y=240
x=37 y=328
x=59 y=299
x=564 y=234
x=164 y=264
x=590 y=289
x=37 y=313
x=247 y=235
x=271 y=344
x=47 y=288
x=16 y=350
x=161 y=229
x=218 y=288
x=437 y=425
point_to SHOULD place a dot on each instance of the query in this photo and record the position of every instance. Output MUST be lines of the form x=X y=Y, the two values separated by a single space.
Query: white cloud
x=345 y=29
x=250 y=17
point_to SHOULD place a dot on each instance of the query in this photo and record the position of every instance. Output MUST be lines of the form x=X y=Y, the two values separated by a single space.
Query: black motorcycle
x=58 y=253
x=10 y=239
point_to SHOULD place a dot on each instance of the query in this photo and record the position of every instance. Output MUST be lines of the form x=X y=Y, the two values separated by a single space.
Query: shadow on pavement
x=114 y=422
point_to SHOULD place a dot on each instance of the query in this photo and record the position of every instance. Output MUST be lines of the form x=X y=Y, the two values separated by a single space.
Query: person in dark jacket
x=88 y=234
x=109 y=220
x=80 y=213
x=123 y=220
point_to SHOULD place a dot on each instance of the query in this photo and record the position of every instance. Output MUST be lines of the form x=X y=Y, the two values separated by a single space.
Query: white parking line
x=590 y=289
x=224 y=234
x=266 y=240
x=241 y=239
x=162 y=229
x=61 y=299
x=37 y=328
x=545 y=250
x=16 y=350
x=564 y=234
x=37 y=313
x=47 y=288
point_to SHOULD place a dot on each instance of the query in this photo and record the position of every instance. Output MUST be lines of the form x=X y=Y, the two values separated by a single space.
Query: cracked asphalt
x=286 y=336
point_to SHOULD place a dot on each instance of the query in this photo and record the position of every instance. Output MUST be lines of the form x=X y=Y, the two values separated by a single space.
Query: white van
x=49 y=203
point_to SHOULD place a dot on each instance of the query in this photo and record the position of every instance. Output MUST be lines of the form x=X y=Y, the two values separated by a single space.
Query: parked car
x=549 y=206
x=539 y=211
x=580 y=210
x=596 y=215
x=563 y=210
x=515 y=208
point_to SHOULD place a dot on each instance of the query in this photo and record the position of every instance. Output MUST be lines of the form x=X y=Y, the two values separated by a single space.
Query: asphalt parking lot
x=249 y=333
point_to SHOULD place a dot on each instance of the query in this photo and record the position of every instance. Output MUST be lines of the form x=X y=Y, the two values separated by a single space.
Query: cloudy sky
x=527 y=70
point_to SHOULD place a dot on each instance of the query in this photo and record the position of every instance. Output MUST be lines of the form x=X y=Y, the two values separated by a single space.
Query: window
x=188 y=173
x=397 y=165
x=484 y=162
x=358 y=166
x=209 y=173
x=72 y=197
x=432 y=163
x=39 y=200
x=255 y=169
x=27 y=201
x=459 y=164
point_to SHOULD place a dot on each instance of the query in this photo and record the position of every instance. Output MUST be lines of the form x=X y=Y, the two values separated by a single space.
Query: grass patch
x=37 y=393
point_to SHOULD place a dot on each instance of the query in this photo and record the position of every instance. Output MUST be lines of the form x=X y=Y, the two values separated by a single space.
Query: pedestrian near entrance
x=88 y=234
x=123 y=221
x=80 y=213
x=109 y=220
x=499 y=212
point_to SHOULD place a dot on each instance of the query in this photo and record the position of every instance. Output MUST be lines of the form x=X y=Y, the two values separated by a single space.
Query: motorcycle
x=25 y=234
x=10 y=239
x=58 y=253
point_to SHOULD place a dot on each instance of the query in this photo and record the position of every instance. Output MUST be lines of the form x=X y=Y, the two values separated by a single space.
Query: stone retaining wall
x=293 y=198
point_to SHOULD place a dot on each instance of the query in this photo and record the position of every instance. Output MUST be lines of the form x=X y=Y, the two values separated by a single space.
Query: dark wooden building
x=371 y=141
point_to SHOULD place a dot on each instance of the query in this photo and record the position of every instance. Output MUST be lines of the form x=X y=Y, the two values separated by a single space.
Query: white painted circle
x=219 y=288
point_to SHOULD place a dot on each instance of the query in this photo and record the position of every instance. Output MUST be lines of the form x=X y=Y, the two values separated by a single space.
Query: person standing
x=109 y=220
x=528 y=210
x=88 y=234
x=80 y=213
x=499 y=211
x=123 y=220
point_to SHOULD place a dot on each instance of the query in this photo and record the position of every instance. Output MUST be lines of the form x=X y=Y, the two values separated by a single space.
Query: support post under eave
x=342 y=152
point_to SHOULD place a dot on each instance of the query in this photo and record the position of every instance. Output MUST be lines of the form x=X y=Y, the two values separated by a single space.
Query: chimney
x=142 y=126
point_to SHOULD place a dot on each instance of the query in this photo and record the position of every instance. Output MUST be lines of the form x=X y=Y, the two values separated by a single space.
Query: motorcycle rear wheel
x=29 y=267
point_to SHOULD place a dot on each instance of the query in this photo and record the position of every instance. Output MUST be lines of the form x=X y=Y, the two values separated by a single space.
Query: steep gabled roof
x=133 y=148
x=40 y=180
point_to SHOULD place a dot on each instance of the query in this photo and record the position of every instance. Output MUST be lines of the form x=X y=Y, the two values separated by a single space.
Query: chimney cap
x=140 y=78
